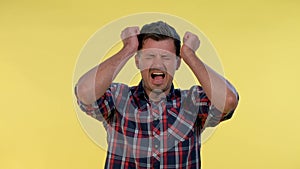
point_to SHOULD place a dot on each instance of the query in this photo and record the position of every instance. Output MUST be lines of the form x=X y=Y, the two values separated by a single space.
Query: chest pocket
x=181 y=124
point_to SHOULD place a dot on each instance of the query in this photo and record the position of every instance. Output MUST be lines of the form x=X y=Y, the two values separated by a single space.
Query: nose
x=157 y=62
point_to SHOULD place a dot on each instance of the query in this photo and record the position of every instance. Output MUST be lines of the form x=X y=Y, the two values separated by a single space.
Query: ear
x=178 y=62
x=137 y=60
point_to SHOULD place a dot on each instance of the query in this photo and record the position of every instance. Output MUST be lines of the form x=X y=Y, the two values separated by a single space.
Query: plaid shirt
x=144 y=134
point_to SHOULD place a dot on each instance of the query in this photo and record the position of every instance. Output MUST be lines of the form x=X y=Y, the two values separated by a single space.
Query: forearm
x=221 y=93
x=93 y=84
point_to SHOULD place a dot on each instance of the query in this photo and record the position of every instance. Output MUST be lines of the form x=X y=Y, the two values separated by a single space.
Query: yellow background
x=257 y=41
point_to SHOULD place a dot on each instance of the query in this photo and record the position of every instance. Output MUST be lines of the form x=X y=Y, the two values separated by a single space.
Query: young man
x=153 y=125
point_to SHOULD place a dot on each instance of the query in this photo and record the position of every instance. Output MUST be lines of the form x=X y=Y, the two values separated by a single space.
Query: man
x=153 y=125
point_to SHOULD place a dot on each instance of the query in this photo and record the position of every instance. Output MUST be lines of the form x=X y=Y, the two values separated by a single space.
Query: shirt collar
x=141 y=94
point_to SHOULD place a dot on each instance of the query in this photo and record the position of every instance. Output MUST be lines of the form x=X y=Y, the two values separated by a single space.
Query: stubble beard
x=156 y=94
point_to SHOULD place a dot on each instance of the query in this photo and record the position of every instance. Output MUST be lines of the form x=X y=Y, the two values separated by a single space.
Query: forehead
x=162 y=45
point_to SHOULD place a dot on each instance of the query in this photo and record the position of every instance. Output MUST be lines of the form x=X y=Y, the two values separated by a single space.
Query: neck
x=157 y=96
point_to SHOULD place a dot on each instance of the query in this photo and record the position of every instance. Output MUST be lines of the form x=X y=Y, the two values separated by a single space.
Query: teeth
x=158 y=74
x=153 y=75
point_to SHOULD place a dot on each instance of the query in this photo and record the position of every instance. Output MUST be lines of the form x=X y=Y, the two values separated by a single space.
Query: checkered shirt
x=145 y=134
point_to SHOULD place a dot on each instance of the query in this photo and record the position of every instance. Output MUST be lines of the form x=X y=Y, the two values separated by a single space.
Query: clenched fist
x=191 y=43
x=129 y=38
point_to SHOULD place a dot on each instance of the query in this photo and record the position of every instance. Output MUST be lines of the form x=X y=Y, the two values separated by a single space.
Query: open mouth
x=157 y=74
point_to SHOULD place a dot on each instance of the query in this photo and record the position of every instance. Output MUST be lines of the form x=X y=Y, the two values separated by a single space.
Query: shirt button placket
x=156 y=130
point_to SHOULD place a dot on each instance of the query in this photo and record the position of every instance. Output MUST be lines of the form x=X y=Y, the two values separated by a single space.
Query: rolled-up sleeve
x=103 y=108
x=208 y=114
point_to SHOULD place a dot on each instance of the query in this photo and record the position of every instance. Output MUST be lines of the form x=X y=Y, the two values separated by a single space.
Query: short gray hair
x=159 y=31
x=161 y=28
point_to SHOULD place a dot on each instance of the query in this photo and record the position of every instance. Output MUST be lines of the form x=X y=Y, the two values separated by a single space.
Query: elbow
x=231 y=102
x=82 y=94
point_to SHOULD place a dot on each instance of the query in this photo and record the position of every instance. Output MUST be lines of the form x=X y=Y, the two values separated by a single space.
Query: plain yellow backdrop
x=257 y=41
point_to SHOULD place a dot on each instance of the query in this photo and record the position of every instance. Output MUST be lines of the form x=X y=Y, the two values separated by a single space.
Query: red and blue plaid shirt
x=144 y=134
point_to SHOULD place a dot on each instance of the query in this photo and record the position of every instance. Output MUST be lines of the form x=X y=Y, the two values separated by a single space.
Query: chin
x=158 y=91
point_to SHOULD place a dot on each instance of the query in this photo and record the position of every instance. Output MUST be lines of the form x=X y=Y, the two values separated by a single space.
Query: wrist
x=128 y=51
x=187 y=52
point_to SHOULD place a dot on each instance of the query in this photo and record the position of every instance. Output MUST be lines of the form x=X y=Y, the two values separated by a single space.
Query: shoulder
x=123 y=89
x=118 y=89
x=196 y=89
x=119 y=86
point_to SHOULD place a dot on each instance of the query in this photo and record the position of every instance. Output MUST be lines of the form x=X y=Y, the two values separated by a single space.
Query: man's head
x=158 y=56
x=159 y=31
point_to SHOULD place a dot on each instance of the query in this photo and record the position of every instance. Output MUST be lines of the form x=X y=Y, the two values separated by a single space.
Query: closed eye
x=149 y=56
x=166 y=57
